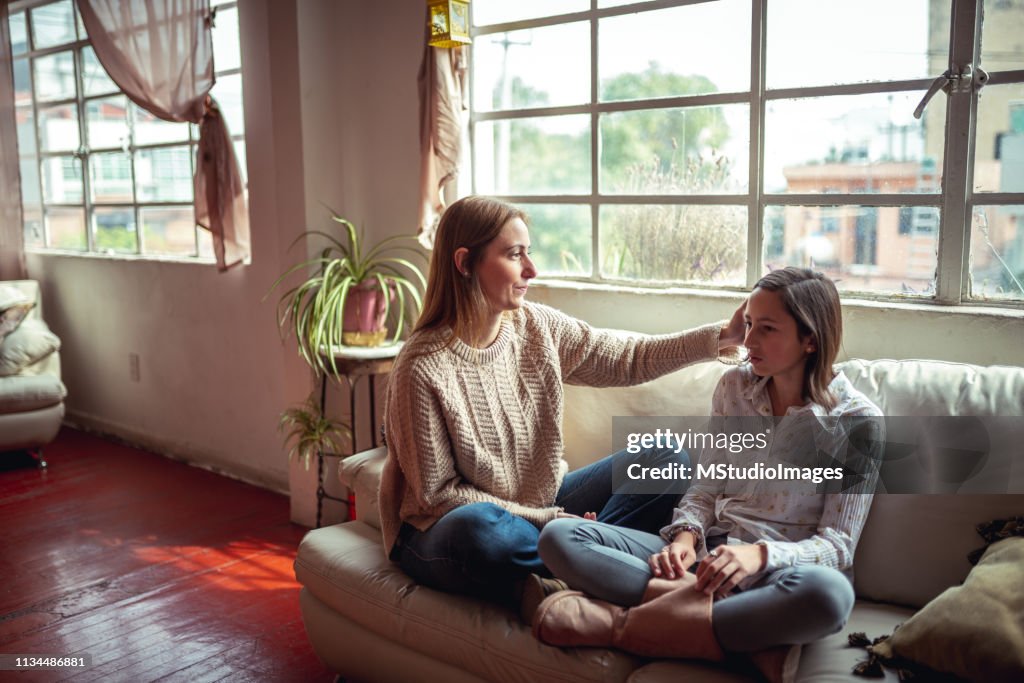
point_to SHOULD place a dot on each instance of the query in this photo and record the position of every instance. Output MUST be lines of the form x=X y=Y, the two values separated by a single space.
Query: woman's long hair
x=452 y=299
x=813 y=301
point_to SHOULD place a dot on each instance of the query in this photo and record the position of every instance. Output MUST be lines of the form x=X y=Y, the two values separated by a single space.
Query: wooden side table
x=352 y=363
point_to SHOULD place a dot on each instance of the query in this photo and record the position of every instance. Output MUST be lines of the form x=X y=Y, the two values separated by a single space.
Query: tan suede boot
x=571 y=619
x=674 y=624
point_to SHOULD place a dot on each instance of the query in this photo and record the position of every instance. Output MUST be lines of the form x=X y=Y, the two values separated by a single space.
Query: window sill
x=991 y=310
x=124 y=258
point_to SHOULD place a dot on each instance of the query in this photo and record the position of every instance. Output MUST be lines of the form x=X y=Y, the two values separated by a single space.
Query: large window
x=707 y=142
x=98 y=173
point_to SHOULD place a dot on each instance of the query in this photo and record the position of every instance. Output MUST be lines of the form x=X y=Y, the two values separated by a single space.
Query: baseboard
x=186 y=453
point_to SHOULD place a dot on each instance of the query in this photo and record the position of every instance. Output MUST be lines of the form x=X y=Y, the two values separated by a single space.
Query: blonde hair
x=813 y=301
x=453 y=299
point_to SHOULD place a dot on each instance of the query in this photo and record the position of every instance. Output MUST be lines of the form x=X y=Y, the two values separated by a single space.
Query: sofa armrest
x=361 y=472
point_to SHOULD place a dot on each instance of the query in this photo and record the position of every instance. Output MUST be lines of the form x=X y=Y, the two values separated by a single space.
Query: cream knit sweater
x=466 y=425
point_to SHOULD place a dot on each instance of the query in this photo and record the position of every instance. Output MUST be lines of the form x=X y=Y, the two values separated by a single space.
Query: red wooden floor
x=155 y=569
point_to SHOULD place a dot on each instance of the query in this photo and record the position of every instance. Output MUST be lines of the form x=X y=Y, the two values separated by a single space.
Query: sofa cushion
x=344 y=567
x=914 y=546
x=928 y=387
x=361 y=473
x=20 y=394
x=29 y=344
x=975 y=631
x=14 y=307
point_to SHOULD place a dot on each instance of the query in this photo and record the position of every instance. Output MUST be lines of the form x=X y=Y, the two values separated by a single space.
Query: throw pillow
x=14 y=306
x=975 y=631
x=28 y=344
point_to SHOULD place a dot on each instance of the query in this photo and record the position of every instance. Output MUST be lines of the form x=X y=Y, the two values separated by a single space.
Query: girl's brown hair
x=813 y=301
x=452 y=299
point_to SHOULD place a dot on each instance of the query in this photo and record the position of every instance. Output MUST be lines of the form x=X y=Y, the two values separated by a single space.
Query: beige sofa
x=32 y=398
x=370 y=622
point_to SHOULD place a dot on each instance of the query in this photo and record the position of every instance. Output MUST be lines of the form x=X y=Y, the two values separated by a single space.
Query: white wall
x=332 y=117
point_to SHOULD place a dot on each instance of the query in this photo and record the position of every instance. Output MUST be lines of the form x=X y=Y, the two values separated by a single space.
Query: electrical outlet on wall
x=133 y=366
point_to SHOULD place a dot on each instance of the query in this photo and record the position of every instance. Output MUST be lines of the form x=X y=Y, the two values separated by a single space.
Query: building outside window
x=100 y=174
x=707 y=142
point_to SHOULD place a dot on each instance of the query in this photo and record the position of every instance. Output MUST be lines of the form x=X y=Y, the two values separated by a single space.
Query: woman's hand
x=591 y=516
x=674 y=559
x=727 y=565
x=733 y=333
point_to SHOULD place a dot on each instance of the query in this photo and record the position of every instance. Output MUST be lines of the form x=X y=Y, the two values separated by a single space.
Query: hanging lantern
x=449 y=22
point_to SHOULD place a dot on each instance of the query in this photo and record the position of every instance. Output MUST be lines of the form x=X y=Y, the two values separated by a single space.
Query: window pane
x=226 y=46
x=516 y=69
x=560 y=236
x=163 y=174
x=95 y=80
x=997 y=252
x=887 y=249
x=1001 y=45
x=825 y=42
x=30 y=190
x=228 y=93
x=55 y=76
x=544 y=155
x=106 y=122
x=674 y=243
x=671 y=52
x=999 y=152
x=22 y=82
x=852 y=143
x=32 y=215
x=19 y=33
x=53 y=24
x=110 y=177
x=66 y=228
x=151 y=130
x=690 y=150
x=500 y=11
x=114 y=230
x=26 y=130
x=169 y=230
x=58 y=128
x=62 y=180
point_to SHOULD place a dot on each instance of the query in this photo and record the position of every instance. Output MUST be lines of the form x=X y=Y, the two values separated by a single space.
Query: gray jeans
x=791 y=606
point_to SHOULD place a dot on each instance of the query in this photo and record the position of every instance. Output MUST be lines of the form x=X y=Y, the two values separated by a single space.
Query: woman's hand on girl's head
x=673 y=560
x=735 y=331
x=727 y=565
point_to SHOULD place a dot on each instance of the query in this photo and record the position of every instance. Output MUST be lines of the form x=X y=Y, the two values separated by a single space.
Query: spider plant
x=309 y=432
x=314 y=309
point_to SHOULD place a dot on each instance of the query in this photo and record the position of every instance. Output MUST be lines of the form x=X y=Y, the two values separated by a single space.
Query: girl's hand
x=590 y=516
x=734 y=333
x=727 y=565
x=674 y=559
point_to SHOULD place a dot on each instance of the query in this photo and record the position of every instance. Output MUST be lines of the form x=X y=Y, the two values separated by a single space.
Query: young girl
x=779 y=560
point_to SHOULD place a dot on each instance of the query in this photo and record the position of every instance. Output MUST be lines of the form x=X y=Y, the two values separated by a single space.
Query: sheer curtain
x=443 y=98
x=160 y=53
x=12 y=235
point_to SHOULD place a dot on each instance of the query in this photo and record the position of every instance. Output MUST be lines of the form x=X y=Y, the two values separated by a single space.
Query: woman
x=780 y=557
x=473 y=416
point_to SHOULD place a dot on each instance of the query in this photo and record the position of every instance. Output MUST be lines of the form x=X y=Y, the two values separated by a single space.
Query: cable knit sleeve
x=420 y=453
x=603 y=358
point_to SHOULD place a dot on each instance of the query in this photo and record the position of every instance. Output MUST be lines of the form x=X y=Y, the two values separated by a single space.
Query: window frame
x=84 y=152
x=955 y=200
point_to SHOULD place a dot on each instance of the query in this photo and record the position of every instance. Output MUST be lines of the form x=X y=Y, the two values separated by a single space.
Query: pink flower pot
x=363 y=317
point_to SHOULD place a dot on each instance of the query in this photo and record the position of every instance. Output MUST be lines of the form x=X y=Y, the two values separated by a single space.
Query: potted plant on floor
x=352 y=292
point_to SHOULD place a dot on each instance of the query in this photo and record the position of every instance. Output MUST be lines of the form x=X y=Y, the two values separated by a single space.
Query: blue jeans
x=482 y=550
x=791 y=606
